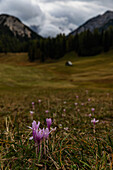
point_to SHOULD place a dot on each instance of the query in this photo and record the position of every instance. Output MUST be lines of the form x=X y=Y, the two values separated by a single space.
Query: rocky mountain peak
x=16 y=26
x=97 y=22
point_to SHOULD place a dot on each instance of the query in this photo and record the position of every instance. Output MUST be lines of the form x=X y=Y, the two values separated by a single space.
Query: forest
x=84 y=44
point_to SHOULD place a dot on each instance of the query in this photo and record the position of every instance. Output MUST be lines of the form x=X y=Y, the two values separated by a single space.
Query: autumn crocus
x=33 y=105
x=37 y=135
x=39 y=101
x=40 y=135
x=92 y=109
x=46 y=133
x=47 y=111
x=89 y=100
x=64 y=110
x=31 y=112
x=94 y=121
x=90 y=115
x=77 y=97
x=49 y=122
x=34 y=130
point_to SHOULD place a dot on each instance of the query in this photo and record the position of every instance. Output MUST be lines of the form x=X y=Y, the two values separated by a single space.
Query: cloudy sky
x=55 y=16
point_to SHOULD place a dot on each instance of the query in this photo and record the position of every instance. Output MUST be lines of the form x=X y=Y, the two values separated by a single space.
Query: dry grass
x=57 y=86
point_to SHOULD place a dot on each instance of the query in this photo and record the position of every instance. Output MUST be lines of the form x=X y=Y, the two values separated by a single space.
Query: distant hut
x=68 y=63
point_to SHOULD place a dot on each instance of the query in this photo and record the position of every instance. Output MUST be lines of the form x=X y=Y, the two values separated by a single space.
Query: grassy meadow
x=73 y=96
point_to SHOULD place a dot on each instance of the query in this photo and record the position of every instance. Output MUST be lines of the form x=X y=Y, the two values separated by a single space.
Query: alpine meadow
x=56 y=97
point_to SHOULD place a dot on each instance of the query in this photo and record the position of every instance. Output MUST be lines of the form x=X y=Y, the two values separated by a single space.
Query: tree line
x=86 y=43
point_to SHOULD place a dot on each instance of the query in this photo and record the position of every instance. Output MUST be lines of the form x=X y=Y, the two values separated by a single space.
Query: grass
x=95 y=72
x=73 y=145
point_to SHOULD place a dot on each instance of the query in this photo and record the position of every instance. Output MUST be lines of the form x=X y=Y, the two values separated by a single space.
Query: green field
x=86 y=72
x=58 y=86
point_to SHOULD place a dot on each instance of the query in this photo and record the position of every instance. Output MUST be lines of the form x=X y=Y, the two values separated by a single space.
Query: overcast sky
x=55 y=16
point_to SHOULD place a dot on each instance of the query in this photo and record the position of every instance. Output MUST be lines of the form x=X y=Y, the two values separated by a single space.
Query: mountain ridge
x=17 y=27
x=98 y=22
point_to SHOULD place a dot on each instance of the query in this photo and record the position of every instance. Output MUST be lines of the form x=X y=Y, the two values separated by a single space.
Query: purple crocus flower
x=35 y=126
x=89 y=100
x=93 y=109
x=46 y=133
x=94 y=121
x=90 y=115
x=77 y=97
x=47 y=111
x=39 y=135
x=33 y=105
x=34 y=129
x=31 y=112
x=39 y=101
x=49 y=122
x=64 y=110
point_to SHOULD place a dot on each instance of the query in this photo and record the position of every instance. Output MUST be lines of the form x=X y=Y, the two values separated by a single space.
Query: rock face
x=16 y=26
x=100 y=22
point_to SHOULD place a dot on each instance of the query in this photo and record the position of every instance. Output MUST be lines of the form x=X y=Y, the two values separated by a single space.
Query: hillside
x=101 y=22
x=16 y=27
x=72 y=97
x=92 y=38
x=89 y=72
x=14 y=35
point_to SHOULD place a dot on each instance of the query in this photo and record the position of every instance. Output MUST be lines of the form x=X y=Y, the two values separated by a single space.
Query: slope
x=90 y=72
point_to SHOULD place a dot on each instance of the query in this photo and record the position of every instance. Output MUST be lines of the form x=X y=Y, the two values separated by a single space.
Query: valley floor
x=73 y=96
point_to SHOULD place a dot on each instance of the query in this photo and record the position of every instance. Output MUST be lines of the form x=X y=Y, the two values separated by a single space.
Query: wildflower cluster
x=40 y=134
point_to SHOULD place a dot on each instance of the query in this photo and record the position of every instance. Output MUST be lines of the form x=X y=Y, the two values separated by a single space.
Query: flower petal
x=31 y=138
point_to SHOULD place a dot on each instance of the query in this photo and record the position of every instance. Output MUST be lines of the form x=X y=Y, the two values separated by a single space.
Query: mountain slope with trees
x=100 y=22
x=16 y=37
x=92 y=38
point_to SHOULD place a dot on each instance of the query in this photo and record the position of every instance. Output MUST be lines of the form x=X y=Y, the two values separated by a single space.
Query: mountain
x=14 y=27
x=101 y=22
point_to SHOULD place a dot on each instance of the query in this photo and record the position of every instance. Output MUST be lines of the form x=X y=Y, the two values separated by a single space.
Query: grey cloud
x=49 y=1
x=49 y=30
x=77 y=13
x=55 y=16
x=25 y=10
x=70 y=16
